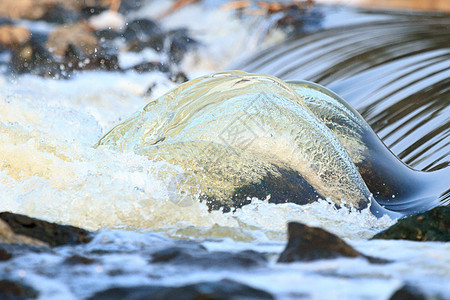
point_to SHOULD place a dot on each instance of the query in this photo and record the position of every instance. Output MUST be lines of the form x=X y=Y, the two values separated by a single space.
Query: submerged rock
x=311 y=243
x=15 y=250
x=202 y=258
x=223 y=289
x=50 y=233
x=5 y=255
x=407 y=292
x=239 y=136
x=79 y=260
x=433 y=225
x=11 y=290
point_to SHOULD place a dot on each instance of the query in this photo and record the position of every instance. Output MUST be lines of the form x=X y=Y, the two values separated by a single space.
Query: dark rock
x=407 y=292
x=79 y=260
x=179 y=77
x=180 y=43
x=149 y=90
x=129 y=5
x=205 y=259
x=223 y=289
x=76 y=59
x=310 y=243
x=151 y=66
x=33 y=58
x=141 y=30
x=11 y=290
x=4 y=255
x=107 y=34
x=433 y=225
x=50 y=233
x=89 y=11
x=60 y=14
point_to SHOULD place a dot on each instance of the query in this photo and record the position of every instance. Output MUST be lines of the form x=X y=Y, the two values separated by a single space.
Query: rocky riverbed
x=21 y=236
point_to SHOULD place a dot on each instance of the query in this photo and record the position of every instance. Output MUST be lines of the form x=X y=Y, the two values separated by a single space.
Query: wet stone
x=89 y=11
x=50 y=233
x=107 y=34
x=34 y=58
x=79 y=260
x=310 y=243
x=20 y=249
x=407 y=292
x=5 y=255
x=11 y=290
x=60 y=15
x=179 y=77
x=204 y=259
x=180 y=44
x=223 y=289
x=151 y=66
x=141 y=29
x=433 y=225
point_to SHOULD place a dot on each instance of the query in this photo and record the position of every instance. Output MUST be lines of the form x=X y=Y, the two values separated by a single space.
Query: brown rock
x=310 y=243
x=25 y=9
x=79 y=35
x=13 y=36
x=8 y=236
x=16 y=290
x=5 y=255
x=36 y=9
x=33 y=230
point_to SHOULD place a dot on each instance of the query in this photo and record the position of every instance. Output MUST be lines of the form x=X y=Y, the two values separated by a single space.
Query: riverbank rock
x=48 y=9
x=13 y=36
x=11 y=290
x=25 y=9
x=433 y=225
x=311 y=243
x=50 y=233
x=8 y=236
x=223 y=289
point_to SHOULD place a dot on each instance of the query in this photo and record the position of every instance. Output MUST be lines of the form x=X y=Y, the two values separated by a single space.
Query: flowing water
x=50 y=169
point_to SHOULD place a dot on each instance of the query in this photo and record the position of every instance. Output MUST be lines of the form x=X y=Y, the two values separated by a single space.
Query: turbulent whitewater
x=240 y=135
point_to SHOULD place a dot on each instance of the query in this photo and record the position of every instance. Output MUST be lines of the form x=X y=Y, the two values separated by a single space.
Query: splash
x=240 y=135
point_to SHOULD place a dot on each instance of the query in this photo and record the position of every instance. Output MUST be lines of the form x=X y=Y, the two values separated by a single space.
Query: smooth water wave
x=394 y=72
